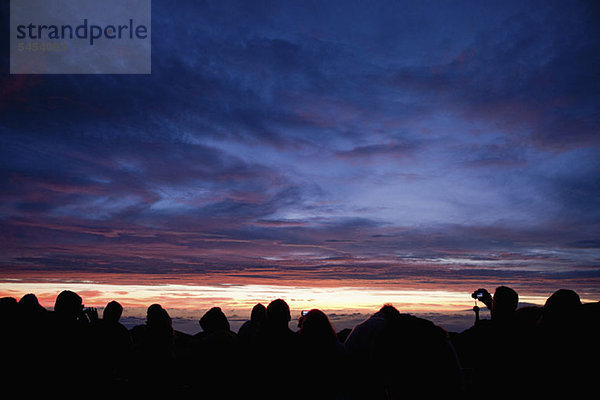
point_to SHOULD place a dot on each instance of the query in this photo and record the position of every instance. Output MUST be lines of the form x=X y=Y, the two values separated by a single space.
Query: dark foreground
x=528 y=352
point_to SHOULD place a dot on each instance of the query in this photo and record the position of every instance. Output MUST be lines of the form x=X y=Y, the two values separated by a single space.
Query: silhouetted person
x=30 y=306
x=563 y=344
x=561 y=310
x=113 y=343
x=112 y=312
x=216 y=333
x=8 y=306
x=249 y=331
x=493 y=349
x=217 y=357
x=316 y=332
x=157 y=333
x=70 y=341
x=322 y=358
x=8 y=314
x=359 y=343
x=276 y=325
x=251 y=357
x=412 y=356
x=153 y=356
x=31 y=314
x=68 y=305
x=213 y=321
x=32 y=327
x=502 y=305
x=360 y=346
x=279 y=346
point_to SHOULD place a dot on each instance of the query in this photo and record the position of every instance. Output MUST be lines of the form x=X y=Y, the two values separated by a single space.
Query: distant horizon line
x=186 y=296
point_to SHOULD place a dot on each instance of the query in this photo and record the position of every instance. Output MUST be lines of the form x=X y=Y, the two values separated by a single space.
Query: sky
x=434 y=146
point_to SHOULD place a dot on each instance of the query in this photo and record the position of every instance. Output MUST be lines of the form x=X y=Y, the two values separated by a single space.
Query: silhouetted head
x=8 y=307
x=259 y=313
x=30 y=304
x=317 y=328
x=214 y=320
x=68 y=304
x=157 y=316
x=562 y=305
x=389 y=311
x=160 y=329
x=278 y=313
x=112 y=312
x=562 y=300
x=504 y=302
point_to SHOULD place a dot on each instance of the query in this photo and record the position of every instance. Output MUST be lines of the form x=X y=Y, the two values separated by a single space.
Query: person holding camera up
x=502 y=305
x=491 y=348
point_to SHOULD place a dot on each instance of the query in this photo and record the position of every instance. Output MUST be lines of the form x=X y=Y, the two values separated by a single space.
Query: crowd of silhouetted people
x=518 y=352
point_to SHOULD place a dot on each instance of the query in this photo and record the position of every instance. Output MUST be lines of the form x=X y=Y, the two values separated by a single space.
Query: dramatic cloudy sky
x=427 y=142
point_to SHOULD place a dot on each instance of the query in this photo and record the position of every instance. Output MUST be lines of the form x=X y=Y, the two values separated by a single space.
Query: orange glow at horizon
x=188 y=298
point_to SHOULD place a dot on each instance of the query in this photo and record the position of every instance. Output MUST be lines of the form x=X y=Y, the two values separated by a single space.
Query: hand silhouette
x=484 y=296
x=91 y=313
